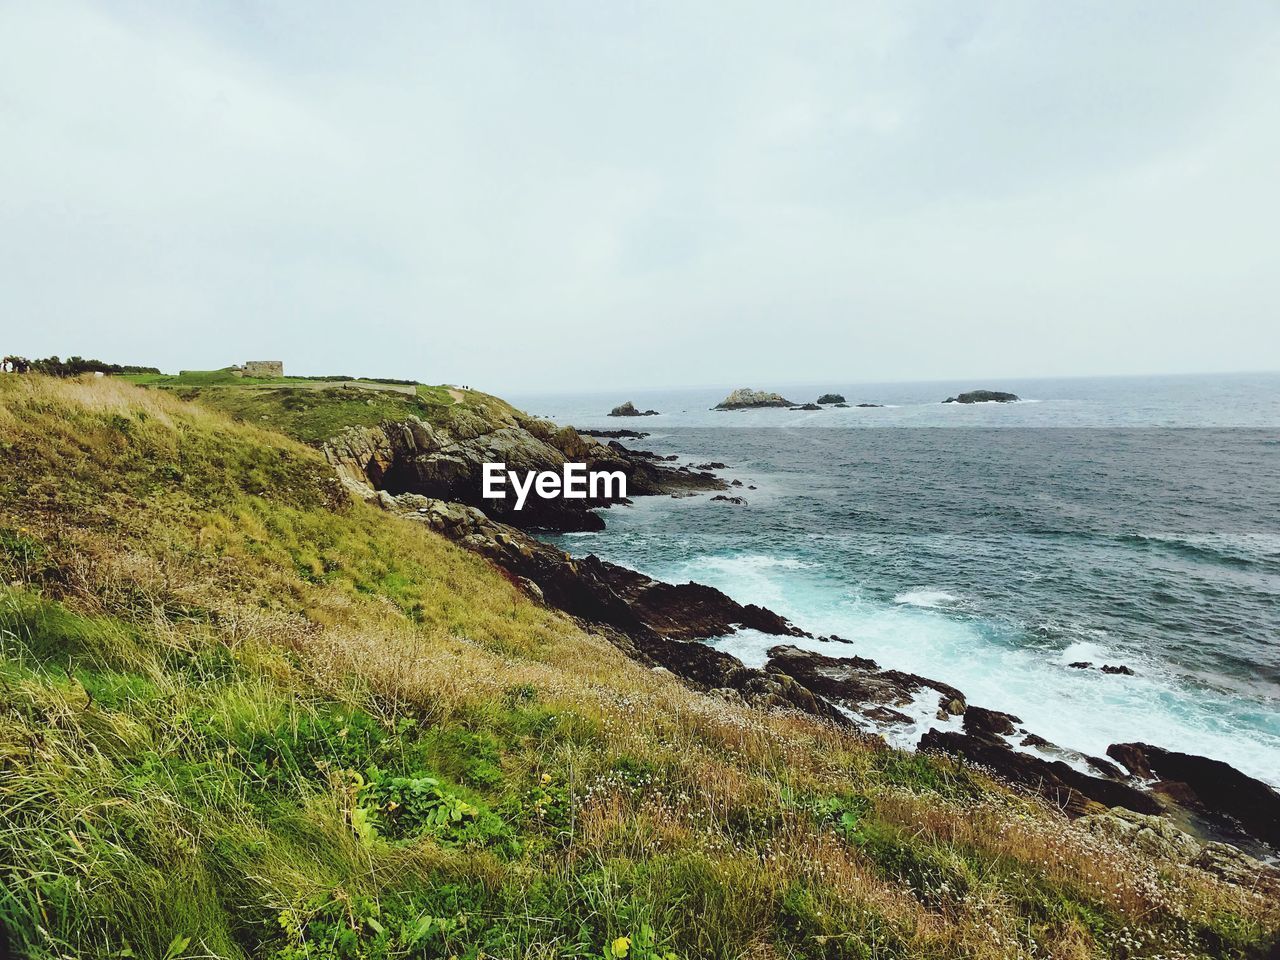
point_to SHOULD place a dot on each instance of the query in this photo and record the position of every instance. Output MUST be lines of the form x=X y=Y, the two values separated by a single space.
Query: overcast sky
x=558 y=194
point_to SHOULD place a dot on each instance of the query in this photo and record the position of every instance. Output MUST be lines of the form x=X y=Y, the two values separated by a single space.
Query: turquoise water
x=1118 y=521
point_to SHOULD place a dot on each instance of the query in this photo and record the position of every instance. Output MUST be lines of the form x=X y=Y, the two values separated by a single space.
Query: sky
x=554 y=195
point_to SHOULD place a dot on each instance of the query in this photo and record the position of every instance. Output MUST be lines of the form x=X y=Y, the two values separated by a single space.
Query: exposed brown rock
x=1219 y=788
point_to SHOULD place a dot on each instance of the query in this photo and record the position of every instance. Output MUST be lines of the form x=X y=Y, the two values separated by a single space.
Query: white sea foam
x=1080 y=710
x=750 y=646
x=926 y=597
x=923 y=711
x=1083 y=651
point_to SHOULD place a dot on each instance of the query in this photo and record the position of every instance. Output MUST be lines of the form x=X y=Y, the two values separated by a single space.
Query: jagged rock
x=1152 y=835
x=636 y=454
x=745 y=398
x=831 y=398
x=983 y=396
x=1105 y=767
x=1080 y=665
x=869 y=406
x=628 y=409
x=842 y=406
x=614 y=434
x=531 y=588
x=1219 y=788
x=807 y=406
x=1237 y=867
x=713 y=465
x=1121 y=669
x=1060 y=784
x=1132 y=757
x=981 y=722
x=855 y=683
x=736 y=501
x=412 y=456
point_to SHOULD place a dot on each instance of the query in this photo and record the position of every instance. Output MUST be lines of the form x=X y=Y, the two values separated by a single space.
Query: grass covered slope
x=244 y=716
x=313 y=409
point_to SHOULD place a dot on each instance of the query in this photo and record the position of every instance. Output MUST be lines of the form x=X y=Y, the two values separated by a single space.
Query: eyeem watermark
x=575 y=482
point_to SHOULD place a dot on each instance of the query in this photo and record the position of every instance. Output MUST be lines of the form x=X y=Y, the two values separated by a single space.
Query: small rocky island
x=831 y=398
x=628 y=409
x=745 y=398
x=984 y=396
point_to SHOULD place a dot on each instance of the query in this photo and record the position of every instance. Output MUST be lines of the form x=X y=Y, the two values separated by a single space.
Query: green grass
x=313 y=409
x=244 y=716
x=312 y=415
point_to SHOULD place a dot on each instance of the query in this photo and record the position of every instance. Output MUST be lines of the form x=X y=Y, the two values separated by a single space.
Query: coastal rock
x=632 y=453
x=1152 y=835
x=1080 y=665
x=1121 y=669
x=745 y=398
x=1056 y=781
x=614 y=434
x=875 y=406
x=1156 y=836
x=446 y=462
x=1219 y=788
x=1105 y=767
x=628 y=409
x=807 y=406
x=831 y=398
x=1237 y=867
x=855 y=683
x=736 y=501
x=842 y=406
x=713 y=465
x=1133 y=758
x=979 y=721
x=984 y=396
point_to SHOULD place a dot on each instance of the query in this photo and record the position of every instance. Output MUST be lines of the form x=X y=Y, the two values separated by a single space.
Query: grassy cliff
x=313 y=409
x=245 y=716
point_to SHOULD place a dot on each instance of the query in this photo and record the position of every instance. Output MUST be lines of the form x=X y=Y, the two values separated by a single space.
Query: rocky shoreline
x=412 y=456
x=427 y=475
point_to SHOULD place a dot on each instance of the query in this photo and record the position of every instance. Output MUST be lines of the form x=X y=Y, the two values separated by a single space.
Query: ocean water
x=1119 y=521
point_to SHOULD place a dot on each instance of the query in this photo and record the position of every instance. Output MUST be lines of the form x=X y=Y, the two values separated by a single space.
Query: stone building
x=263 y=368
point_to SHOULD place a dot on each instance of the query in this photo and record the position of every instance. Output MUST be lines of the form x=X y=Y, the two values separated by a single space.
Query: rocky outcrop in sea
x=629 y=409
x=984 y=396
x=744 y=398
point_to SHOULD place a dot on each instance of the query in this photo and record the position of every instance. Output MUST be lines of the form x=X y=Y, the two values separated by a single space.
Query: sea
x=1117 y=521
